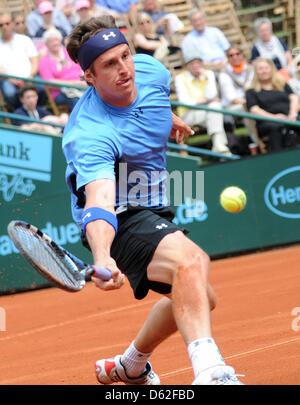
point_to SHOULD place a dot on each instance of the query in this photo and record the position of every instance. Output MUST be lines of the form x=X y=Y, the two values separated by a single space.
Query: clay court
x=53 y=337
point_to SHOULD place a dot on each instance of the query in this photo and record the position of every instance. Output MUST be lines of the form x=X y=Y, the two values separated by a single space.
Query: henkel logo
x=282 y=193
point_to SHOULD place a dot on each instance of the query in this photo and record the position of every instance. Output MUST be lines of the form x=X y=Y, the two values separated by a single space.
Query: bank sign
x=282 y=193
x=24 y=158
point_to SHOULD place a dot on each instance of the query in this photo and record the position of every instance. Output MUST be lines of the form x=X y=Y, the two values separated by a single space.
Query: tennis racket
x=53 y=262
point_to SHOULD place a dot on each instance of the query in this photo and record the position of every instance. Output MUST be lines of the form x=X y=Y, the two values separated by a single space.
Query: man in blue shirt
x=128 y=7
x=115 y=146
x=210 y=42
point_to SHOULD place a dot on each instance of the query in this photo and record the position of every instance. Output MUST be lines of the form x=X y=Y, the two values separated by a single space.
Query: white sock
x=134 y=361
x=204 y=354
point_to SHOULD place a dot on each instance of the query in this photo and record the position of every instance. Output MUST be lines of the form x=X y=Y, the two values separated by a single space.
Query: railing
x=41 y=81
x=236 y=113
x=172 y=146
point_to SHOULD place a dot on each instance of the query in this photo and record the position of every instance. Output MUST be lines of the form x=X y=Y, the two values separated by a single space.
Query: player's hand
x=117 y=279
x=180 y=129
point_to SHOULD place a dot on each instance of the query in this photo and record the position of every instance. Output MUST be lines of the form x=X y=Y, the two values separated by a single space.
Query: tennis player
x=121 y=125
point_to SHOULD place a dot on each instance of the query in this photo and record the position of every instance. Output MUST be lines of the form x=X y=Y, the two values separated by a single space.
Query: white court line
x=70 y=321
x=259 y=349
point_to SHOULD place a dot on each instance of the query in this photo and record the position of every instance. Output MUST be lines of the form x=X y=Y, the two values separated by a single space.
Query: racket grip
x=98 y=272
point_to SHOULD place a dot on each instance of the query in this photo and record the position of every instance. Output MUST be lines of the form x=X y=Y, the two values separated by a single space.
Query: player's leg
x=180 y=262
x=164 y=253
x=161 y=324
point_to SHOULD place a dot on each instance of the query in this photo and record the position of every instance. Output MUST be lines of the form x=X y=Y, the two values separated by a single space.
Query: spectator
x=295 y=76
x=147 y=41
x=233 y=80
x=96 y=10
x=35 y=21
x=18 y=57
x=128 y=7
x=158 y=16
x=269 y=46
x=270 y=96
x=19 y=23
x=66 y=7
x=46 y=11
x=29 y=97
x=85 y=9
x=210 y=42
x=56 y=66
x=196 y=85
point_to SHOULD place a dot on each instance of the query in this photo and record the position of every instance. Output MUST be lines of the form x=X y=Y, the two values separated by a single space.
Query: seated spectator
x=29 y=96
x=35 y=21
x=210 y=42
x=270 y=96
x=57 y=67
x=147 y=41
x=295 y=76
x=85 y=9
x=119 y=7
x=18 y=57
x=158 y=16
x=233 y=80
x=46 y=11
x=19 y=23
x=270 y=47
x=66 y=7
x=196 y=85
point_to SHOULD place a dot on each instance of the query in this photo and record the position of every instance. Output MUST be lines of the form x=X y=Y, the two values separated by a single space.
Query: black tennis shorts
x=139 y=232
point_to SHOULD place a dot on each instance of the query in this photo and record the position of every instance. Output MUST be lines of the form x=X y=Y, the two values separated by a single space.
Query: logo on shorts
x=161 y=226
x=107 y=36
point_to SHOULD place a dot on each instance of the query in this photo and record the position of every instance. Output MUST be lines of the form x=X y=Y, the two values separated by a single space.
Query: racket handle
x=99 y=272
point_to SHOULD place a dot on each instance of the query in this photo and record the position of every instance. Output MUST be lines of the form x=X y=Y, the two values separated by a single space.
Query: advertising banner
x=33 y=189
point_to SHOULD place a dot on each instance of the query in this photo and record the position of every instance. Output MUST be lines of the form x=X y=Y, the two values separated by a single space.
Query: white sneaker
x=218 y=375
x=222 y=149
x=111 y=370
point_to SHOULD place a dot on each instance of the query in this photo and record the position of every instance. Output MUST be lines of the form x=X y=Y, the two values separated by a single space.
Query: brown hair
x=27 y=87
x=237 y=47
x=86 y=30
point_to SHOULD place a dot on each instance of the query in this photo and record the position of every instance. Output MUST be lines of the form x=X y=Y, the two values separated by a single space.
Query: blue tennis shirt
x=127 y=144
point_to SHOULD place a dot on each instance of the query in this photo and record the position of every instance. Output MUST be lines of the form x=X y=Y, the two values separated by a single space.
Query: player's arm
x=100 y=233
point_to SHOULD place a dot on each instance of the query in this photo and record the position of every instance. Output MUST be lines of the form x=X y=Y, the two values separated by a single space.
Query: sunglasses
x=6 y=23
x=234 y=54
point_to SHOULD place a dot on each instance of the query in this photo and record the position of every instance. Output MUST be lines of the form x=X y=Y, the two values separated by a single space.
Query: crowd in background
x=214 y=73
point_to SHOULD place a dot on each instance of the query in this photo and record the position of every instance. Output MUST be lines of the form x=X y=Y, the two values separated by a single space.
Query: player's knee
x=196 y=263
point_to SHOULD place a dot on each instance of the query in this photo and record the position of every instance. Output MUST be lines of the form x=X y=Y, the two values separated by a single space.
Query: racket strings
x=49 y=259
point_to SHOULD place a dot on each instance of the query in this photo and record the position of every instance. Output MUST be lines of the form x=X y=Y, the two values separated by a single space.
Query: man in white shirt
x=209 y=42
x=197 y=86
x=18 y=57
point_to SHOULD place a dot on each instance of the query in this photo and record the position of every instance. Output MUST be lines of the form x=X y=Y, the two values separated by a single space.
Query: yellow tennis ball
x=233 y=199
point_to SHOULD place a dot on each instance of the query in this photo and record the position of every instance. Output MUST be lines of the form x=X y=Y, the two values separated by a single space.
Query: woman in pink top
x=57 y=67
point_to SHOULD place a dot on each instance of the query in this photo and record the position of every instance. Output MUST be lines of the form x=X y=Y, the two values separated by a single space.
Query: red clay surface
x=53 y=337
